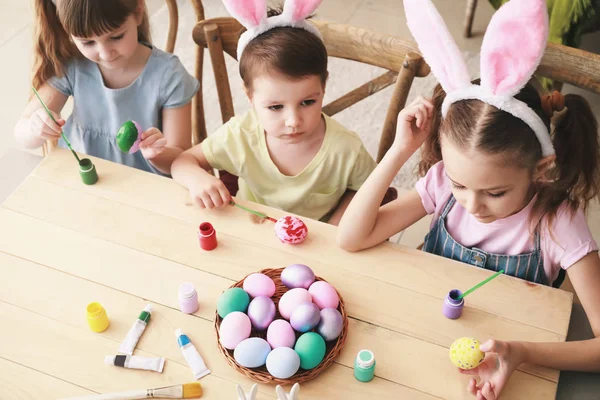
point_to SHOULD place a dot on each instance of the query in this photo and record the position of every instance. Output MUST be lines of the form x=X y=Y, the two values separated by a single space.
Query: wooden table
x=131 y=239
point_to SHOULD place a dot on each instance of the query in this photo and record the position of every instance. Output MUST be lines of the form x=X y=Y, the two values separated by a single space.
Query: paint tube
x=136 y=362
x=136 y=331
x=191 y=355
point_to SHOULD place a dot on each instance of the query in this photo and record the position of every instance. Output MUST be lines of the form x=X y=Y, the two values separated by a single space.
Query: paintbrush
x=480 y=284
x=191 y=390
x=257 y=213
x=61 y=133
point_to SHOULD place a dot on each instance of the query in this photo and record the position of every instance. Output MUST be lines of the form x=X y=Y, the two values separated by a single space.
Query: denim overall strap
x=430 y=243
x=528 y=266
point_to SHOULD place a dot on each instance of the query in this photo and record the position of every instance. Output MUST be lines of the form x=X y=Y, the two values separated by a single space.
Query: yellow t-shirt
x=240 y=147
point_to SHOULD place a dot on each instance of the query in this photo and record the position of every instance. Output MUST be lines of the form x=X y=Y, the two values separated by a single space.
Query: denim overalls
x=528 y=266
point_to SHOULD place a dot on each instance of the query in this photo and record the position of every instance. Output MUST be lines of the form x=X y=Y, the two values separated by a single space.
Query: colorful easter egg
x=233 y=299
x=281 y=334
x=234 y=328
x=297 y=276
x=261 y=312
x=324 y=295
x=305 y=317
x=283 y=362
x=252 y=352
x=291 y=300
x=129 y=137
x=290 y=229
x=465 y=353
x=259 y=285
x=331 y=324
x=311 y=349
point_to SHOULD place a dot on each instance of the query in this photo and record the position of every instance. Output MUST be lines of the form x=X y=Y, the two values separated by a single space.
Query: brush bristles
x=192 y=390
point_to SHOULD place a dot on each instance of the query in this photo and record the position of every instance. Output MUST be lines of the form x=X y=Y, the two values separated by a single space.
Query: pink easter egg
x=281 y=334
x=291 y=300
x=290 y=229
x=259 y=285
x=324 y=295
x=234 y=328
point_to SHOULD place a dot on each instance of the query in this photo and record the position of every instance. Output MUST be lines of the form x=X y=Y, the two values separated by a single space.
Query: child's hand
x=153 y=143
x=43 y=127
x=414 y=125
x=210 y=192
x=501 y=359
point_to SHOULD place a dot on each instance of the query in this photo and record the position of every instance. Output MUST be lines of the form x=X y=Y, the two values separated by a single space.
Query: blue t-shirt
x=99 y=112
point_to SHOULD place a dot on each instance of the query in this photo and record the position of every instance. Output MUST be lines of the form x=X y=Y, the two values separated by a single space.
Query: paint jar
x=364 y=366
x=453 y=307
x=188 y=298
x=96 y=317
x=207 y=236
x=87 y=171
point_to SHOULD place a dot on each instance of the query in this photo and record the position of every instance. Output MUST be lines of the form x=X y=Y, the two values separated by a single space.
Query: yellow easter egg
x=465 y=353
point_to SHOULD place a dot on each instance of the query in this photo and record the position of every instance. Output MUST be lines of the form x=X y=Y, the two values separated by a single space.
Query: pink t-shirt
x=570 y=240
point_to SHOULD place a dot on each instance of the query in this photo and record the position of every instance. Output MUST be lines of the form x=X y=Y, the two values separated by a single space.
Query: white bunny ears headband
x=252 y=14
x=512 y=48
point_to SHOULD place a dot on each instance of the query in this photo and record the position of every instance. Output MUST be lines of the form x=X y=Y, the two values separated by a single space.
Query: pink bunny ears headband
x=512 y=48
x=252 y=14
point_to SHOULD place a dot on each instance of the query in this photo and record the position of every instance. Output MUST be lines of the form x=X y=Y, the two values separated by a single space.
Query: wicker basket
x=261 y=374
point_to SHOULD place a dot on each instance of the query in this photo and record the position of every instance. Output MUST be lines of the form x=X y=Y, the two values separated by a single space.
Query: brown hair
x=575 y=175
x=82 y=18
x=293 y=52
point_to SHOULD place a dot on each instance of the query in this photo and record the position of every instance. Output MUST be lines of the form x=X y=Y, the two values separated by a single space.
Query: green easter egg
x=311 y=349
x=127 y=135
x=234 y=299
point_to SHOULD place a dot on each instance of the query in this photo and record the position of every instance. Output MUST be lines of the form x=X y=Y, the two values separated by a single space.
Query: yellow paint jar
x=96 y=317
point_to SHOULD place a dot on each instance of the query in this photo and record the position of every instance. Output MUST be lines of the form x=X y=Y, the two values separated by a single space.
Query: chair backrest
x=170 y=47
x=569 y=65
x=400 y=58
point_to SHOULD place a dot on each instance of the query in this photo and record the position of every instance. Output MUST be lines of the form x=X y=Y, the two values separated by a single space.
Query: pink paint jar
x=188 y=298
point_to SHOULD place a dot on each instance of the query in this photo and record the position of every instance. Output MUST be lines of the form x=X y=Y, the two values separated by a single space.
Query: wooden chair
x=170 y=47
x=570 y=65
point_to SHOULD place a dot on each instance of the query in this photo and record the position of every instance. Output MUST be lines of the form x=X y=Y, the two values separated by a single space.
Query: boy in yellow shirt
x=285 y=151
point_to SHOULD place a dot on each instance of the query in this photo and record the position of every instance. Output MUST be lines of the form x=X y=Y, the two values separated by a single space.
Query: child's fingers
x=51 y=124
x=487 y=392
x=45 y=119
x=421 y=118
x=162 y=142
x=149 y=132
x=428 y=104
x=43 y=131
x=208 y=203
x=224 y=193
x=150 y=140
x=217 y=200
x=472 y=386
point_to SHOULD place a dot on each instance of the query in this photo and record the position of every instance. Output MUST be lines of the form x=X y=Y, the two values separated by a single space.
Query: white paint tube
x=136 y=362
x=136 y=331
x=191 y=355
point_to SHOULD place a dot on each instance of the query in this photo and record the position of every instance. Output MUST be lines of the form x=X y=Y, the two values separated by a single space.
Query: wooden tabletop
x=132 y=238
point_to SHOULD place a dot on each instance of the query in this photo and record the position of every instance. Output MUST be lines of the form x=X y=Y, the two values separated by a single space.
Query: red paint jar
x=207 y=236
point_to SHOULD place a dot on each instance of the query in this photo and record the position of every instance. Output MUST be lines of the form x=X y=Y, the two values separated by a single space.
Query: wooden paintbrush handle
x=129 y=395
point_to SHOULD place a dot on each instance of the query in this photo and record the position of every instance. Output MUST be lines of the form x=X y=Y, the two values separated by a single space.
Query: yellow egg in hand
x=465 y=353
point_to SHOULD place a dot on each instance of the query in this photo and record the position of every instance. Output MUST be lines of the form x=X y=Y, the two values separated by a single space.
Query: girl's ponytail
x=577 y=177
x=53 y=46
